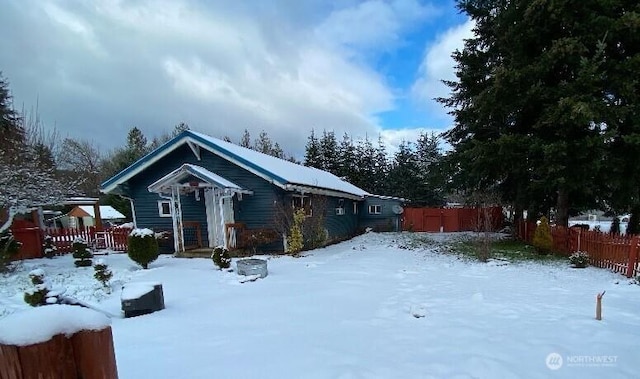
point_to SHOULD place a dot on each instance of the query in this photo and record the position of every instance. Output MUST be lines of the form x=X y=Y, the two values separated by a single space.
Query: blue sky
x=97 y=68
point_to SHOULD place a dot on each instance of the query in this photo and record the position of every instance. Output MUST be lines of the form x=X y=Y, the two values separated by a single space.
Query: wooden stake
x=599 y=305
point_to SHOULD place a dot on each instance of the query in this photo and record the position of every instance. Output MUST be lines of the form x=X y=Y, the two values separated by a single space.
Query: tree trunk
x=562 y=208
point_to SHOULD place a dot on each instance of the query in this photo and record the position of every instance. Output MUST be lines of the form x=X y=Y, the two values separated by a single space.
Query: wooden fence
x=112 y=238
x=451 y=219
x=615 y=252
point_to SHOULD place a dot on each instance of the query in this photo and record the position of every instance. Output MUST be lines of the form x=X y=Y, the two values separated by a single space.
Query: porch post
x=176 y=215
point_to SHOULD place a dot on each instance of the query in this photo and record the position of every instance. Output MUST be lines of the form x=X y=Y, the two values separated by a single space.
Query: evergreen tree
x=403 y=172
x=245 y=140
x=365 y=165
x=528 y=102
x=381 y=184
x=263 y=143
x=329 y=152
x=347 y=159
x=313 y=155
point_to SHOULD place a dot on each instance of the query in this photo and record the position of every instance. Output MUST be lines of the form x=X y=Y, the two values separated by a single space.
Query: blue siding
x=386 y=220
x=256 y=210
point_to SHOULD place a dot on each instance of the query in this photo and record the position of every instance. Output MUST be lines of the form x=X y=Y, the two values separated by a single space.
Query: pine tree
x=542 y=238
x=263 y=143
x=313 y=155
x=49 y=248
x=245 y=140
x=347 y=159
x=329 y=152
x=81 y=253
x=404 y=170
x=102 y=273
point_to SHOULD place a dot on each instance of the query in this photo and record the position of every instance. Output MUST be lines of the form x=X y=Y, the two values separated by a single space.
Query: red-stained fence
x=615 y=252
x=451 y=219
x=112 y=238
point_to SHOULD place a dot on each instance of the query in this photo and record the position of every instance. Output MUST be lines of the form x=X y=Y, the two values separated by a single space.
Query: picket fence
x=112 y=238
x=618 y=253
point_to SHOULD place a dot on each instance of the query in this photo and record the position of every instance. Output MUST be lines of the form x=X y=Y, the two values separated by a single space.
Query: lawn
x=378 y=306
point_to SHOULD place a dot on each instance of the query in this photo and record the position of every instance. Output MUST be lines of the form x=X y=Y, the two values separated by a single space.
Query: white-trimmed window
x=355 y=207
x=340 y=208
x=304 y=202
x=164 y=208
x=375 y=209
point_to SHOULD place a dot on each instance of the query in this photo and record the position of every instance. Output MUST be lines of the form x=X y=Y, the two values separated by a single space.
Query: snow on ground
x=376 y=306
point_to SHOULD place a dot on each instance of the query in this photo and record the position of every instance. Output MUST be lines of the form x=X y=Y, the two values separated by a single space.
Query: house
x=210 y=192
x=84 y=215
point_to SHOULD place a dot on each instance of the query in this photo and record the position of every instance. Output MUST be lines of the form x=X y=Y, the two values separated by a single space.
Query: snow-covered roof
x=285 y=174
x=107 y=212
x=186 y=170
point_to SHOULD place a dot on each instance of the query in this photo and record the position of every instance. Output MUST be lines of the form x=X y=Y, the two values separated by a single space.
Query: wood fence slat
x=610 y=251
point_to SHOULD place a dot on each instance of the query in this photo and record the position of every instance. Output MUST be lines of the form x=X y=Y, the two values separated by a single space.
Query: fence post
x=633 y=256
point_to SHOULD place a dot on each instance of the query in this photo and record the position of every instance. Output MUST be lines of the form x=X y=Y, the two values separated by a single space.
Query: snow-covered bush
x=579 y=259
x=143 y=247
x=81 y=253
x=221 y=258
x=8 y=248
x=37 y=295
x=102 y=272
x=542 y=238
x=49 y=248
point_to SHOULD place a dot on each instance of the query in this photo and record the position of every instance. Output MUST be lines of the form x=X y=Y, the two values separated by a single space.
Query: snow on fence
x=615 y=252
x=112 y=238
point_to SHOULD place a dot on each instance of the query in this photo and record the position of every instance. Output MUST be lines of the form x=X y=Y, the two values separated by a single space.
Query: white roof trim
x=197 y=171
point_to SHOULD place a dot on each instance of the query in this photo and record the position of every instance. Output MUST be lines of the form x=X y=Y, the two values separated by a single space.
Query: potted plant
x=579 y=259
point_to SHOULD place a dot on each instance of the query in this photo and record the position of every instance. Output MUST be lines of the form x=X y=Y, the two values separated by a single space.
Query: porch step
x=195 y=253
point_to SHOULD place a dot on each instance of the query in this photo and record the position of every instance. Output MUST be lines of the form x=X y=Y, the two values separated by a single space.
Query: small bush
x=102 y=273
x=579 y=259
x=37 y=295
x=143 y=247
x=81 y=253
x=49 y=248
x=221 y=257
x=8 y=248
x=295 y=241
x=542 y=238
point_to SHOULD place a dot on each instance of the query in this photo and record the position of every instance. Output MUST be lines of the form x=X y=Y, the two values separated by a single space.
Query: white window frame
x=355 y=207
x=375 y=209
x=161 y=212
x=305 y=203
x=340 y=211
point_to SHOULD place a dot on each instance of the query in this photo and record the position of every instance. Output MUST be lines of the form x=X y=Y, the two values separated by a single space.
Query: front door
x=217 y=217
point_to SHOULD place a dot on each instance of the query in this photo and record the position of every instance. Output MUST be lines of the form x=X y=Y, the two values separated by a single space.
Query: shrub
x=295 y=241
x=81 y=253
x=542 y=238
x=37 y=295
x=579 y=259
x=8 y=248
x=102 y=273
x=49 y=248
x=143 y=247
x=221 y=258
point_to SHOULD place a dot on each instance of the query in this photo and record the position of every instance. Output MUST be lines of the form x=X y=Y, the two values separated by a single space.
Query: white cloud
x=220 y=67
x=437 y=65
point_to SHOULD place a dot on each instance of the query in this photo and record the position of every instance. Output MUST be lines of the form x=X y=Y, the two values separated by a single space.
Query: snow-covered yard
x=365 y=308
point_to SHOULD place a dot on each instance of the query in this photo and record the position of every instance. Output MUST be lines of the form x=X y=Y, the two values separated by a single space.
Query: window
x=164 y=208
x=298 y=201
x=340 y=211
x=375 y=209
x=355 y=207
